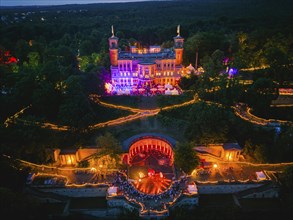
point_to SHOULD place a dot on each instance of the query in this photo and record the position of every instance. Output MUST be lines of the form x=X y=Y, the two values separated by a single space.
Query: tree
x=185 y=156
x=261 y=94
x=213 y=65
x=187 y=83
x=24 y=89
x=283 y=147
x=279 y=64
x=286 y=178
x=227 y=90
x=46 y=100
x=86 y=48
x=33 y=61
x=21 y=51
x=208 y=123
x=218 y=58
x=51 y=70
x=203 y=42
x=75 y=110
x=108 y=143
x=167 y=44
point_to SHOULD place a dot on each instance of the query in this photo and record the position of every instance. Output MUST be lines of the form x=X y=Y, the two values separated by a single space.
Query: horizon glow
x=63 y=2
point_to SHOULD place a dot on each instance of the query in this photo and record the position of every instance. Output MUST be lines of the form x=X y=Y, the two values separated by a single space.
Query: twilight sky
x=59 y=2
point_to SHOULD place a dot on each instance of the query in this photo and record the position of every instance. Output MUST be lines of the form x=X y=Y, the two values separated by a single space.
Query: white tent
x=168 y=92
x=168 y=86
x=175 y=92
x=260 y=176
x=112 y=191
x=192 y=189
x=190 y=69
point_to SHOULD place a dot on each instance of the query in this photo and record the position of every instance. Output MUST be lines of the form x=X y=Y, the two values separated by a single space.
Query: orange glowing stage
x=152 y=184
x=150 y=161
x=151 y=172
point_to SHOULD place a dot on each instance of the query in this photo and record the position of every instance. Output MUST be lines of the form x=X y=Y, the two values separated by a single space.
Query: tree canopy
x=208 y=123
x=186 y=157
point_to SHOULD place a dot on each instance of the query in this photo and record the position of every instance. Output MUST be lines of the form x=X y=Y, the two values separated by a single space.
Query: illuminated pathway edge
x=146 y=205
x=240 y=110
x=138 y=113
x=244 y=112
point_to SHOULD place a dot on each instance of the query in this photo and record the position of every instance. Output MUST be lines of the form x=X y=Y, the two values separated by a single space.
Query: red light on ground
x=152 y=185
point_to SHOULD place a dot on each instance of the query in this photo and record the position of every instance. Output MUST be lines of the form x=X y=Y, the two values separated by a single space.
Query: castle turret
x=113 y=49
x=178 y=47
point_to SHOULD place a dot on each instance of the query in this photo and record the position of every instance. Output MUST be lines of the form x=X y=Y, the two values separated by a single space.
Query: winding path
x=240 y=110
x=244 y=112
x=138 y=113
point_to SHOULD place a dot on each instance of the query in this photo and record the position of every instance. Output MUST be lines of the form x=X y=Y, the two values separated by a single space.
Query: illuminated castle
x=148 y=66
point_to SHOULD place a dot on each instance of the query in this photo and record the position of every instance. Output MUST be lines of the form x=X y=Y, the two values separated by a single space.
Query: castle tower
x=113 y=49
x=178 y=47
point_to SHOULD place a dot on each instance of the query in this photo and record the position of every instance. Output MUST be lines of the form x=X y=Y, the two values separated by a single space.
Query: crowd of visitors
x=131 y=192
